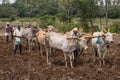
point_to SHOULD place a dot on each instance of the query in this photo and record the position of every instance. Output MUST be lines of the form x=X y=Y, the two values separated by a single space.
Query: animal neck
x=73 y=42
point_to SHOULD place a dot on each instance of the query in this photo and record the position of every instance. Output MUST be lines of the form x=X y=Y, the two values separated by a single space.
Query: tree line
x=68 y=8
x=49 y=11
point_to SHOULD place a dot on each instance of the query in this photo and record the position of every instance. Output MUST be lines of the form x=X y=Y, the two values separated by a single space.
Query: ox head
x=50 y=28
x=108 y=38
x=83 y=43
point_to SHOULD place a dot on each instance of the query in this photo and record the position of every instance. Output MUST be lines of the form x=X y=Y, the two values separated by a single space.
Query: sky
x=11 y=1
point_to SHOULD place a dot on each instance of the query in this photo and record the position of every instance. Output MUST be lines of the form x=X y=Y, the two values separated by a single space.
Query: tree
x=6 y=10
x=86 y=9
x=106 y=12
x=5 y=1
x=114 y=12
x=48 y=8
x=20 y=7
x=65 y=6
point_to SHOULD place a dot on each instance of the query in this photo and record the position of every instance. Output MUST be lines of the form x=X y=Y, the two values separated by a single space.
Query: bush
x=2 y=25
x=115 y=28
x=12 y=18
x=62 y=17
x=47 y=20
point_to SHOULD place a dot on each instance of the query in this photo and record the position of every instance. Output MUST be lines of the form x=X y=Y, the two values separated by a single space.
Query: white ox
x=102 y=48
x=29 y=35
x=59 y=41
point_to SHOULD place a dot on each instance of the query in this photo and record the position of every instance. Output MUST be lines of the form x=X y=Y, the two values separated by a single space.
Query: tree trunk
x=106 y=12
x=91 y=22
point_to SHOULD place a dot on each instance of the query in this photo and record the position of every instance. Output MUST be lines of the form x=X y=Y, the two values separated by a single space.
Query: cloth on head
x=7 y=23
x=74 y=29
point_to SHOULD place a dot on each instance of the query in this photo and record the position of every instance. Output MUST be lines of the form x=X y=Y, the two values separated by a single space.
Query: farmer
x=75 y=33
x=18 y=39
x=7 y=31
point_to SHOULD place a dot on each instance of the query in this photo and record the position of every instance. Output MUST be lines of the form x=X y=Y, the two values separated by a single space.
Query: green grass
x=75 y=22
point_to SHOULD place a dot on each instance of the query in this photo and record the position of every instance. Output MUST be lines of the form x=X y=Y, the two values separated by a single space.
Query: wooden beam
x=69 y=38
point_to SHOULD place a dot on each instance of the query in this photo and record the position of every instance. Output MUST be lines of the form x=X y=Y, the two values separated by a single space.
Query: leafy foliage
x=60 y=12
x=115 y=27
x=6 y=10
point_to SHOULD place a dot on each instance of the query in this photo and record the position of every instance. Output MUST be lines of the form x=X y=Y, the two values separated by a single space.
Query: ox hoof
x=100 y=69
x=94 y=60
x=49 y=63
x=72 y=67
x=66 y=66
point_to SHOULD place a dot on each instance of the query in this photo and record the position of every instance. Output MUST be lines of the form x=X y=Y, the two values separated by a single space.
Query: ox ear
x=80 y=30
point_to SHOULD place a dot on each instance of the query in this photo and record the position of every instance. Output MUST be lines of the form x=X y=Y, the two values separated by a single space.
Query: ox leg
x=65 y=56
x=38 y=44
x=41 y=50
x=50 y=52
x=103 y=61
x=100 y=62
x=29 y=45
x=71 y=59
x=100 y=58
x=103 y=56
x=73 y=55
x=95 y=54
x=33 y=44
x=47 y=59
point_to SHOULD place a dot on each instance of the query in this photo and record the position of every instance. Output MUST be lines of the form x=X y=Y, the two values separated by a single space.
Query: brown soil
x=31 y=66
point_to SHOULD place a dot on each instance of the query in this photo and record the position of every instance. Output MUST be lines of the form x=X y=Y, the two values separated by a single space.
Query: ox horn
x=82 y=35
x=80 y=30
x=104 y=29
x=109 y=29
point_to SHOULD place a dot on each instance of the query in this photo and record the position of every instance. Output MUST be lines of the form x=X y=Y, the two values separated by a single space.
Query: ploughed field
x=31 y=66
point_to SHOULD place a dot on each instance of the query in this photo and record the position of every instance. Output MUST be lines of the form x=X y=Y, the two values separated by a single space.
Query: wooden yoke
x=69 y=38
x=87 y=37
x=91 y=36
